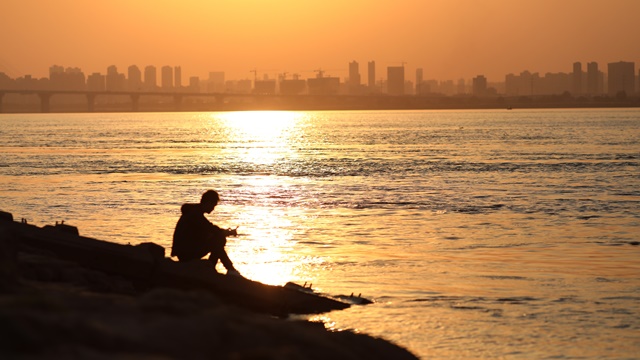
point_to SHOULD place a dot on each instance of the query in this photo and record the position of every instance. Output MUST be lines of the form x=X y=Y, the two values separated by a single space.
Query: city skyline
x=591 y=80
x=447 y=39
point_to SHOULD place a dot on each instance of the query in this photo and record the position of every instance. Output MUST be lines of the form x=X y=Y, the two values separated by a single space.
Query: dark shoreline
x=53 y=309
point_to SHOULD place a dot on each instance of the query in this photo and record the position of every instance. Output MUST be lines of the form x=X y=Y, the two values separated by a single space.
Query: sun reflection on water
x=265 y=136
x=264 y=251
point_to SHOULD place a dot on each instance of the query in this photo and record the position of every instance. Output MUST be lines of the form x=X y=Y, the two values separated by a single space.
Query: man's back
x=191 y=232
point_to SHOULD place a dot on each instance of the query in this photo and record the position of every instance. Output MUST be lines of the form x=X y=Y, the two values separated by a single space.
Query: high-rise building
x=576 y=79
x=447 y=87
x=194 y=84
x=395 y=80
x=150 y=78
x=371 y=75
x=592 y=78
x=354 y=77
x=525 y=84
x=66 y=79
x=114 y=81
x=323 y=85
x=167 y=77
x=96 y=82
x=134 y=78
x=479 y=85
x=419 y=79
x=622 y=78
x=55 y=70
x=265 y=86
x=177 y=74
x=293 y=86
x=462 y=87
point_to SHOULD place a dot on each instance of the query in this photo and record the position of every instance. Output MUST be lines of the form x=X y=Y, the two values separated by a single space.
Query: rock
x=8 y=261
x=63 y=322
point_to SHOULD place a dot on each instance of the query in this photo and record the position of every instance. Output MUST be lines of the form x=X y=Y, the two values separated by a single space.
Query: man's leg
x=219 y=253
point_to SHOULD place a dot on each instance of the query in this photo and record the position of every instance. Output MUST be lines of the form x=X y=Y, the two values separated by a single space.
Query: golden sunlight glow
x=266 y=135
x=260 y=125
x=279 y=36
x=266 y=249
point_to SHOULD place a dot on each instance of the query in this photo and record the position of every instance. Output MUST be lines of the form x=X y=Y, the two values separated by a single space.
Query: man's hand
x=231 y=232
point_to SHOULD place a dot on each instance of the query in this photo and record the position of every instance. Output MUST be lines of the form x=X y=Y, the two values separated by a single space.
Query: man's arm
x=230 y=232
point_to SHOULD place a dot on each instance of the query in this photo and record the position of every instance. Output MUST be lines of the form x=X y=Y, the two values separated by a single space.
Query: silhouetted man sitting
x=195 y=236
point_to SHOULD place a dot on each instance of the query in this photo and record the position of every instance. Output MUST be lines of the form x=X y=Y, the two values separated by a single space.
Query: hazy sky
x=449 y=39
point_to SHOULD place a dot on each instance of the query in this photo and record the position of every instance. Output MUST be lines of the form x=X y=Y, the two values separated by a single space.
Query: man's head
x=209 y=200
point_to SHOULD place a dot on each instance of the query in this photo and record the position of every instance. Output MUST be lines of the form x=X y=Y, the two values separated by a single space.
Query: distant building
x=462 y=87
x=114 y=81
x=409 y=87
x=592 y=78
x=525 y=84
x=242 y=86
x=323 y=85
x=371 y=75
x=96 y=82
x=423 y=88
x=447 y=87
x=167 y=78
x=150 y=78
x=265 y=86
x=395 y=80
x=177 y=77
x=6 y=82
x=479 y=85
x=66 y=79
x=622 y=78
x=293 y=86
x=134 y=78
x=354 y=78
x=216 y=83
x=553 y=84
x=576 y=79
x=432 y=86
x=56 y=77
x=194 y=84
x=419 y=79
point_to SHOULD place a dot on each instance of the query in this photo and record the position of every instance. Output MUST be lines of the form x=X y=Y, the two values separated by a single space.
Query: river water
x=479 y=234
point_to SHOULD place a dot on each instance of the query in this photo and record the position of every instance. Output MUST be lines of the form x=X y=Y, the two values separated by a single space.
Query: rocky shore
x=55 y=309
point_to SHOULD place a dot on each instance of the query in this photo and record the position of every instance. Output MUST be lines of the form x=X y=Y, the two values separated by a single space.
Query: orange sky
x=449 y=39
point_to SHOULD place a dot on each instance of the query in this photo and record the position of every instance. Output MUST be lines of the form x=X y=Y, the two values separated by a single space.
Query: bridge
x=46 y=95
x=302 y=101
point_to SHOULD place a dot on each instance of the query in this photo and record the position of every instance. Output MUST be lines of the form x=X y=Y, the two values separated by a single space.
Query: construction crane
x=255 y=72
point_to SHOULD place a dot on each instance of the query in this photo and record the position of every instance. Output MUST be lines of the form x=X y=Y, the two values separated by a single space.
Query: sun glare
x=267 y=247
x=264 y=136
x=260 y=125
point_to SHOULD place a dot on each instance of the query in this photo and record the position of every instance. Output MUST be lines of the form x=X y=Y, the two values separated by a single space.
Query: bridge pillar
x=1 y=96
x=135 y=102
x=177 y=102
x=45 y=98
x=91 y=102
